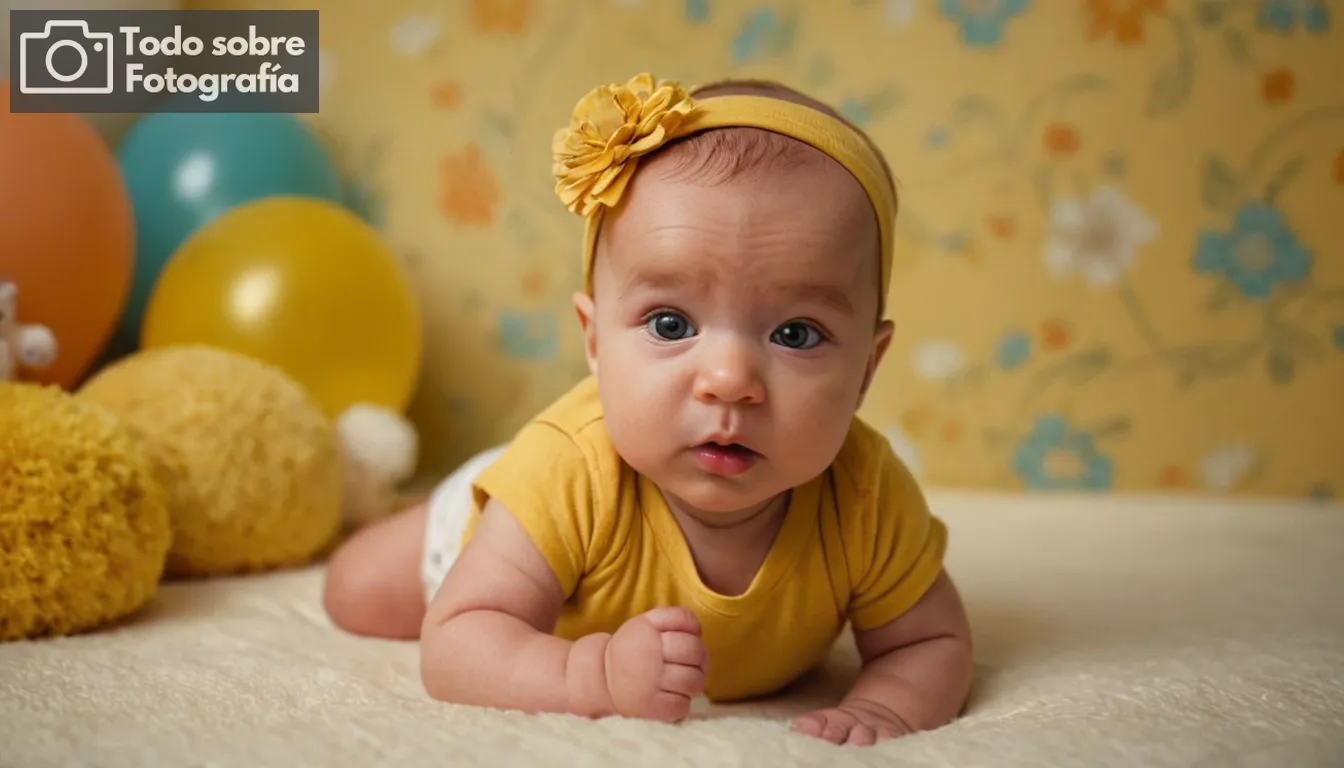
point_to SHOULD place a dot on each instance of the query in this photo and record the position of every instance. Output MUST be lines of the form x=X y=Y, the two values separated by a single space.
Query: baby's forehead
x=740 y=155
x=765 y=263
x=738 y=192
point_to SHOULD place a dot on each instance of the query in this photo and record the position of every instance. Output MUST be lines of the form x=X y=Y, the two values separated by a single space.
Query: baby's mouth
x=736 y=449
x=726 y=459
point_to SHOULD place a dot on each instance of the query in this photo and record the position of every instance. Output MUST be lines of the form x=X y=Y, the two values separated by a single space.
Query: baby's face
x=738 y=313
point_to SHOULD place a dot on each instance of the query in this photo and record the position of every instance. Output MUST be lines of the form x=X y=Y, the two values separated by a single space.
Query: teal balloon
x=184 y=169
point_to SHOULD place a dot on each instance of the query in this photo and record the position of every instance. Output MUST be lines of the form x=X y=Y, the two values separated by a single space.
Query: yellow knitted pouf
x=84 y=526
x=257 y=483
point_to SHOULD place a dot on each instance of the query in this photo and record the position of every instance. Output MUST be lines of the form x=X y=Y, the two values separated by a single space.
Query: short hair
x=720 y=155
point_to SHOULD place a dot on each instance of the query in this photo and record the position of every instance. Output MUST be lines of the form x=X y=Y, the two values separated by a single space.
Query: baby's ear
x=881 y=341
x=584 y=308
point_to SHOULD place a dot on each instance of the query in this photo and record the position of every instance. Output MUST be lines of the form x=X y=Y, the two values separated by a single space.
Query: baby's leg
x=373 y=582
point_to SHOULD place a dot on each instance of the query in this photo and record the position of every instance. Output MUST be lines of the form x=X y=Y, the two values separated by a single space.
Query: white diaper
x=449 y=508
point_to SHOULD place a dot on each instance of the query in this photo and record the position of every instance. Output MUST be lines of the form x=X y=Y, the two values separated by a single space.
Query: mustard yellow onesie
x=858 y=544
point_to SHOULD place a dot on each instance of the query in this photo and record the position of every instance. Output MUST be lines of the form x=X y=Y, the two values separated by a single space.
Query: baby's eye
x=670 y=326
x=796 y=335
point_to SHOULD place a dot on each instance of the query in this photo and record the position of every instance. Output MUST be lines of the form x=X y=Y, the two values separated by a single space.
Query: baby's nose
x=729 y=372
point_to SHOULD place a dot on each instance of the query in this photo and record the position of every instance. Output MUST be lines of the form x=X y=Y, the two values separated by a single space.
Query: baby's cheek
x=837 y=391
x=818 y=417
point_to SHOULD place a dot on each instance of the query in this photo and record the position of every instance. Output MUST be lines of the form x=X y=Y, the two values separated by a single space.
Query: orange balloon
x=67 y=235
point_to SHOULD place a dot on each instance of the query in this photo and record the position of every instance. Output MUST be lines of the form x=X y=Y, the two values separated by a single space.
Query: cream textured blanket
x=1112 y=632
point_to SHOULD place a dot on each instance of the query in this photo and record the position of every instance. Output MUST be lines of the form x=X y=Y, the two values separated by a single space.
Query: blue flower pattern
x=1258 y=253
x=855 y=111
x=1013 y=350
x=1283 y=15
x=982 y=21
x=955 y=242
x=527 y=335
x=1055 y=456
x=821 y=71
x=763 y=35
x=696 y=11
x=938 y=137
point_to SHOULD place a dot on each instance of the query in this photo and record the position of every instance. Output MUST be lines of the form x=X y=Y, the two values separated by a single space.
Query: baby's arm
x=487 y=640
x=916 y=674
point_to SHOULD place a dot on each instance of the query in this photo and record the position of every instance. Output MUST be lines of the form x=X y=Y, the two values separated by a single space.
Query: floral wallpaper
x=1121 y=234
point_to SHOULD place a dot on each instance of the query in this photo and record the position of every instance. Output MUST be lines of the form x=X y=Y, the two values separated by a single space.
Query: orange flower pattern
x=1173 y=477
x=535 y=282
x=1123 y=18
x=951 y=431
x=1276 y=87
x=446 y=95
x=914 y=420
x=470 y=190
x=1060 y=140
x=1055 y=334
x=1002 y=227
x=506 y=17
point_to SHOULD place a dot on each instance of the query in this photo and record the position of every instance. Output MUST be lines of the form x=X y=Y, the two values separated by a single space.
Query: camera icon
x=38 y=70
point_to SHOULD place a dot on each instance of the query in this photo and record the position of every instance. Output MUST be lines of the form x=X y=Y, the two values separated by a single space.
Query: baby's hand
x=656 y=663
x=857 y=722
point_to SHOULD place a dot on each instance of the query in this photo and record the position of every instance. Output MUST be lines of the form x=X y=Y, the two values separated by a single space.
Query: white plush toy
x=380 y=449
x=29 y=346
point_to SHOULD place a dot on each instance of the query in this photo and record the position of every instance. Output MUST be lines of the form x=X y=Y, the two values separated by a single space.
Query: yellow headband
x=614 y=125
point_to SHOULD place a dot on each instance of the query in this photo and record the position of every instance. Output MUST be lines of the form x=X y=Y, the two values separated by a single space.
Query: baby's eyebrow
x=802 y=293
x=662 y=280
x=820 y=293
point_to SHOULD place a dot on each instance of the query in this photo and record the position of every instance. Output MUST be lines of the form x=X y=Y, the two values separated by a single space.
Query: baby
x=705 y=512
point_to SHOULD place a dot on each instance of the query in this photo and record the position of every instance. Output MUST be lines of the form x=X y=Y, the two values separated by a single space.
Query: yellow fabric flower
x=611 y=126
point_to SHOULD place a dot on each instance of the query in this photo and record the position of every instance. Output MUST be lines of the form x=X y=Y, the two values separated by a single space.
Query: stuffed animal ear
x=380 y=439
x=35 y=346
x=380 y=450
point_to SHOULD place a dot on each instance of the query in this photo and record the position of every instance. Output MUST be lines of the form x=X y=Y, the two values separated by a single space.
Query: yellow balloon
x=302 y=284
